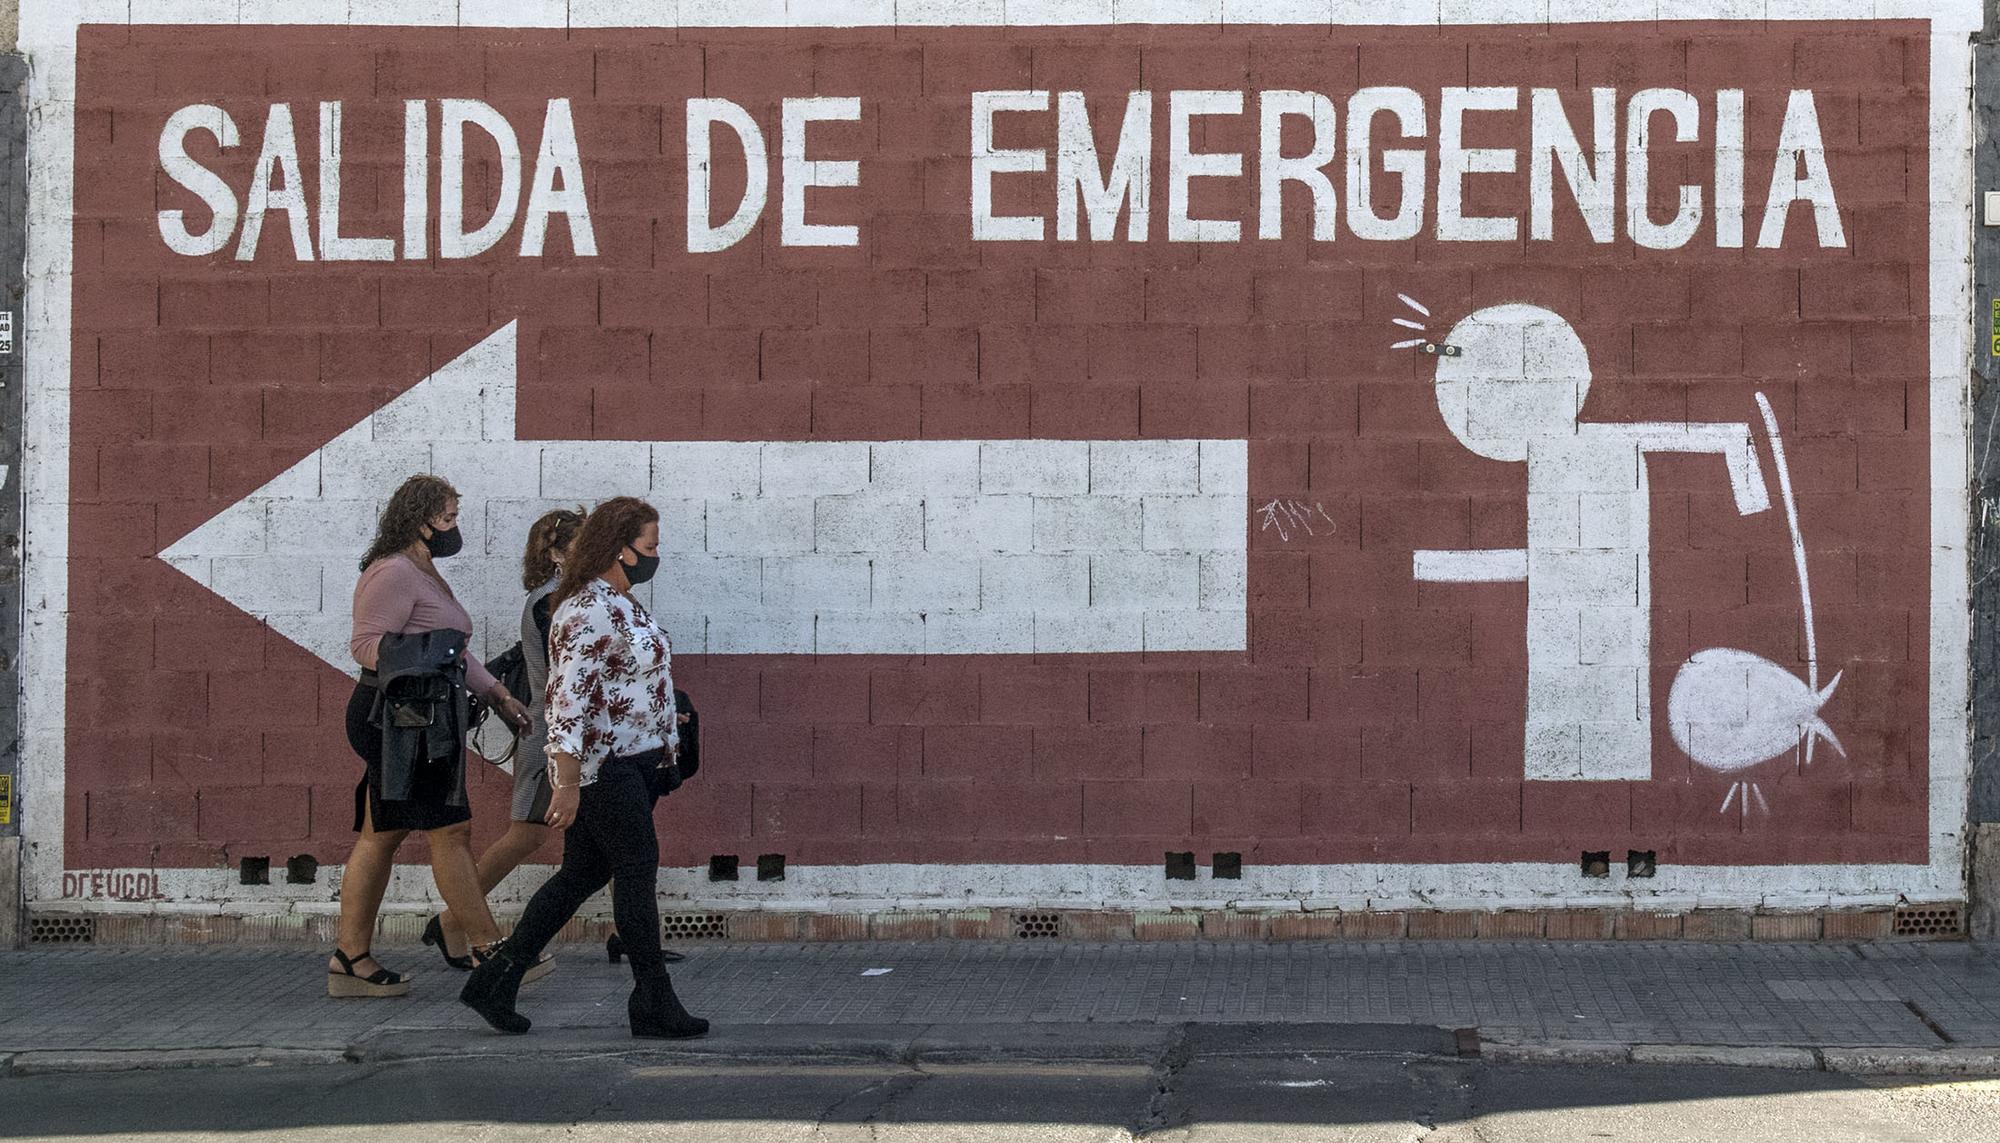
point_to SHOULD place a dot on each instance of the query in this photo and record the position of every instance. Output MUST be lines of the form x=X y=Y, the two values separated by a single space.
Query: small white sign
x=6 y=332
x=1992 y=199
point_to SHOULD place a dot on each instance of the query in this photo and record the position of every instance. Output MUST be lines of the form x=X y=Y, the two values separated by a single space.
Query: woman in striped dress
x=549 y=541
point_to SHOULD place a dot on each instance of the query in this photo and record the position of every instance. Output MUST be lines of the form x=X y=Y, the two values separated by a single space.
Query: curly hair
x=410 y=507
x=606 y=531
x=549 y=535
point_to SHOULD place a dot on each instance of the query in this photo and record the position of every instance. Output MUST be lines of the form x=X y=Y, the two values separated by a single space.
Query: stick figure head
x=1521 y=373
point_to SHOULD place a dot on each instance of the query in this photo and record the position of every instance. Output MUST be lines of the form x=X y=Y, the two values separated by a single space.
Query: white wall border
x=48 y=37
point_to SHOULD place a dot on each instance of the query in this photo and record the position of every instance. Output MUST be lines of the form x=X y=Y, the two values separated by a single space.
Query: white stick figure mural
x=1511 y=384
x=1730 y=710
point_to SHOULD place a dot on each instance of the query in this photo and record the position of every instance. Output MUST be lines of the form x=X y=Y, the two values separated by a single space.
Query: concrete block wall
x=1018 y=564
x=1222 y=924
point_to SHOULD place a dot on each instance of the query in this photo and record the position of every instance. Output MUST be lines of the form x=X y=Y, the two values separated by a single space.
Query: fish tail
x=1826 y=692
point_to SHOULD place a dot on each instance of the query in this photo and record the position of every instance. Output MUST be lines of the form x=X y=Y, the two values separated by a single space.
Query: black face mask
x=643 y=570
x=442 y=544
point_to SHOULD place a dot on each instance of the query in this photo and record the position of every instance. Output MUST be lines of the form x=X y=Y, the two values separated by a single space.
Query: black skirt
x=436 y=782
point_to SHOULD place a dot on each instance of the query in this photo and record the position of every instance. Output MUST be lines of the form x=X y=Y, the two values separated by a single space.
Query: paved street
x=1218 y=1100
x=1909 y=995
x=1035 y=1040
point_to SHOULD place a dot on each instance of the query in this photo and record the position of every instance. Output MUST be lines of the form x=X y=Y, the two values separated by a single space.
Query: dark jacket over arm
x=421 y=708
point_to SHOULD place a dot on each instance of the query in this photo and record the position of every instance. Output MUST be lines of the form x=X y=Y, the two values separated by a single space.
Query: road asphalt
x=1034 y=1040
x=1198 y=1097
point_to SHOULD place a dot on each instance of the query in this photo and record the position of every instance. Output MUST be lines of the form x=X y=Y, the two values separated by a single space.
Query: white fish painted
x=1731 y=710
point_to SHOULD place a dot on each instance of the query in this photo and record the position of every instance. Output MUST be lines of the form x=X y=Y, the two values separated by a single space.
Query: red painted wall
x=1372 y=719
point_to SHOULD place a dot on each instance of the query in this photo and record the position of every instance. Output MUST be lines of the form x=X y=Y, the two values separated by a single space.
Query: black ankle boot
x=491 y=990
x=614 y=951
x=656 y=1013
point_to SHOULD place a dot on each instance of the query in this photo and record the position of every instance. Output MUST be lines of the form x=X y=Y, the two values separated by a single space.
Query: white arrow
x=821 y=547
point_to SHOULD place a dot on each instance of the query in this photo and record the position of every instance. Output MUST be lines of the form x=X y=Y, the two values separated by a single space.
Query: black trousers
x=612 y=840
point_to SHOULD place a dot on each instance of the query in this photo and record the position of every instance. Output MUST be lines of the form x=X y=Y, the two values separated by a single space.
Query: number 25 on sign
x=1996 y=327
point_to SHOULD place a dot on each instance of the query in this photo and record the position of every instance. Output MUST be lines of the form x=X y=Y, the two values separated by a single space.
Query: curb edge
x=1879 y=1060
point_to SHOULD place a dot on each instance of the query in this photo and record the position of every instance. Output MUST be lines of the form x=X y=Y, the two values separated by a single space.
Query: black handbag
x=673 y=772
x=510 y=667
x=664 y=778
x=689 y=762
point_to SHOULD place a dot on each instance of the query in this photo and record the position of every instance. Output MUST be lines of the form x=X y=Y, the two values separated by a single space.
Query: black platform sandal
x=434 y=937
x=614 y=951
x=350 y=985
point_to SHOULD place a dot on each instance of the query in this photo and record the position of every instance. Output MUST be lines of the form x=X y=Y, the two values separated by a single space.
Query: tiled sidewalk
x=1823 y=995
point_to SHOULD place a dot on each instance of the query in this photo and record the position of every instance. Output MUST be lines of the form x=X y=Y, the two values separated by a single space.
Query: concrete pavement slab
x=945 y=1044
x=970 y=1001
x=74 y=1062
x=1322 y=1039
x=750 y=1044
x=933 y=1046
x=1588 y=1053
x=1930 y=1061
x=1362 y=1099
x=1790 y=1059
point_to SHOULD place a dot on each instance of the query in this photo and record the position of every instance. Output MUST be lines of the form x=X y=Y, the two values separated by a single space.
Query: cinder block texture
x=778 y=926
x=1016 y=533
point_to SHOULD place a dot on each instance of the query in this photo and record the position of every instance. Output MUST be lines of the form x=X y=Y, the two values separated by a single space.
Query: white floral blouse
x=611 y=687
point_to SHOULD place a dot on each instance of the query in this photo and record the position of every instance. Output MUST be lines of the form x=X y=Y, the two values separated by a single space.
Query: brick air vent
x=1930 y=920
x=62 y=930
x=1037 y=926
x=695 y=926
x=723 y=867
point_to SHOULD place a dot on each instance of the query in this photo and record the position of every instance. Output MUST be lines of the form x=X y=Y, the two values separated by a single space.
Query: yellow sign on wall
x=1996 y=327
x=6 y=798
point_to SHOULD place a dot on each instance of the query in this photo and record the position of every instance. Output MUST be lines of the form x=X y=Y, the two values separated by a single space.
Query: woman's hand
x=562 y=807
x=510 y=708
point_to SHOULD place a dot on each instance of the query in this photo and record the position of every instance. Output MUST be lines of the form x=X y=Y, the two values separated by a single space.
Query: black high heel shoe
x=434 y=937
x=614 y=951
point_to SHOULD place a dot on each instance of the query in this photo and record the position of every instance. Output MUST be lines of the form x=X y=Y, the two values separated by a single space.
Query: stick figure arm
x=1730 y=440
x=1475 y=565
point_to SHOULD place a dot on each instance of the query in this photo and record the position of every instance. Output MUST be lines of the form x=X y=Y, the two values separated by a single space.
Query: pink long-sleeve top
x=395 y=597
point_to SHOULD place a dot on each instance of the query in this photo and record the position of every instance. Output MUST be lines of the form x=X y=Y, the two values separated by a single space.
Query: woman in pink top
x=401 y=592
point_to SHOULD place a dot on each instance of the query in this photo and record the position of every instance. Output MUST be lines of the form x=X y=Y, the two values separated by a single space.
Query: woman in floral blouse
x=611 y=725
